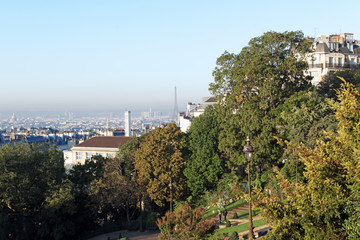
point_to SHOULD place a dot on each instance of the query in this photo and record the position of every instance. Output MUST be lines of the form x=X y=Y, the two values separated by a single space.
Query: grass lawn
x=246 y=214
x=240 y=228
x=214 y=210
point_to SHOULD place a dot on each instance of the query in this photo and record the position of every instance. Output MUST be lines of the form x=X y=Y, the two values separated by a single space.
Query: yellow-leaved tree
x=159 y=162
x=326 y=204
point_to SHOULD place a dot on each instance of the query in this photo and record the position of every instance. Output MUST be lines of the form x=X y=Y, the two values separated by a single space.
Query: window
x=340 y=61
x=331 y=62
x=352 y=61
x=78 y=155
x=88 y=155
x=109 y=155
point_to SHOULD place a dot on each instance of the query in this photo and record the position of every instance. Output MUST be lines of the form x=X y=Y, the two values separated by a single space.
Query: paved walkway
x=238 y=210
x=129 y=235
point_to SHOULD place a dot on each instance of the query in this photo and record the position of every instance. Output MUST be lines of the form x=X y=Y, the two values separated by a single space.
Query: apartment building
x=104 y=146
x=332 y=53
x=193 y=110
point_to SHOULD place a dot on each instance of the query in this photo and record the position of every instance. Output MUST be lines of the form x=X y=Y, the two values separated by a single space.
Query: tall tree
x=81 y=177
x=118 y=190
x=205 y=165
x=304 y=117
x=159 y=162
x=252 y=84
x=28 y=175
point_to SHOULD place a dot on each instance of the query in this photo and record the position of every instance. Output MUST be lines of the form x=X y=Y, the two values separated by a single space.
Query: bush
x=234 y=236
x=151 y=221
x=134 y=225
x=235 y=215
x=228 y=224
x=185 y=223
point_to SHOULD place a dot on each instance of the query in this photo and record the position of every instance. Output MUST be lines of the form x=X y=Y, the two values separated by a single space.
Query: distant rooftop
x=105 y=142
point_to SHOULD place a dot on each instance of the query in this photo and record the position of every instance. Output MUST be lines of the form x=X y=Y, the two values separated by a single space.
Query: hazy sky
x=72 y=55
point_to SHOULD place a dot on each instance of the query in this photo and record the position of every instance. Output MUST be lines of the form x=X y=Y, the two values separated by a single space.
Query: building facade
x=193 y=110
x=332 y=53
x=103 y=146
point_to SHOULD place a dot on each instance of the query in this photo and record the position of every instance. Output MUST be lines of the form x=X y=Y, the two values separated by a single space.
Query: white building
x=104 y=146
x=193 y=110
x=332 y=53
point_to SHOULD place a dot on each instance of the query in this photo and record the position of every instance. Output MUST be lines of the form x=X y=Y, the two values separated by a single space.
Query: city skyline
x=129 y=55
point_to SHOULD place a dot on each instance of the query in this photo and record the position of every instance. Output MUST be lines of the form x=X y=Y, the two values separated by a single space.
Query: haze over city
x=117 y=55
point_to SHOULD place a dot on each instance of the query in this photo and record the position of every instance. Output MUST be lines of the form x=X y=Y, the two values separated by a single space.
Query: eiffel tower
x=176 y=110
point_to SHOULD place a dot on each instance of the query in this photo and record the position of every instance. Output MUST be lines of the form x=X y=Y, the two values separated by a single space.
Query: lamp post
x=248 y=150
x=170 y=186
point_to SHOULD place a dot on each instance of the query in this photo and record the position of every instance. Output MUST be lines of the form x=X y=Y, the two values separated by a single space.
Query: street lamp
x=248 y=150
x=170 y=186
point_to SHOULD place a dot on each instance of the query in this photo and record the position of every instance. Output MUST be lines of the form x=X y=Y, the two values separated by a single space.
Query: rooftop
x=105 y=142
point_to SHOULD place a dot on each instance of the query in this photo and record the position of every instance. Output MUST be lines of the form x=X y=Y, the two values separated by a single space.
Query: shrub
x=185 y=223
x=234 y=236
x=235 y=215
x=228 y=224
x=151 y=221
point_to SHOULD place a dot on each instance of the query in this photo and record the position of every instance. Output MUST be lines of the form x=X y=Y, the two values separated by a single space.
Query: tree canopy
x=159 y=161
x=252 y=84
x=205 y=165
x=314 y=209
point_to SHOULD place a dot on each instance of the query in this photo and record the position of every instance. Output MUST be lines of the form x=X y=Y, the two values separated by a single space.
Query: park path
x=154 y=235
x=241 y=209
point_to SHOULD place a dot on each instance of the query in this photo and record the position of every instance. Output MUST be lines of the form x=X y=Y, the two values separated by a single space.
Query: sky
x=112 y=55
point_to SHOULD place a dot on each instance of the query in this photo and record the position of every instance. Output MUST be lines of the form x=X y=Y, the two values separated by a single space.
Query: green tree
x=81 y=176
x=251 y=85
x=314 y=209
x=304 y=117
x=332 y=82
x=29 y=174
x=159 y=161
x=118 y=189
x=205 y=165
x=57 y=213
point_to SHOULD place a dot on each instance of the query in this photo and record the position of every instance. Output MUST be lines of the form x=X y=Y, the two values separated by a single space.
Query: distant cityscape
x=67 y=129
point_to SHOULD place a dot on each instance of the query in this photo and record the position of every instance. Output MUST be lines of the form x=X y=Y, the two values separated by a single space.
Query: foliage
x=251 y=85
x=332 y=82
x=305 y=116
x=81 y=176
x=29 y=176
x=58 y=208
x=151 y=220
x=159 y=161
x=205 y=165
x=115 y=192
x=126 y=157
x=352 y=224
x=234 y=236
x=228 y=223
x=185 y=223
x=315 y=209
